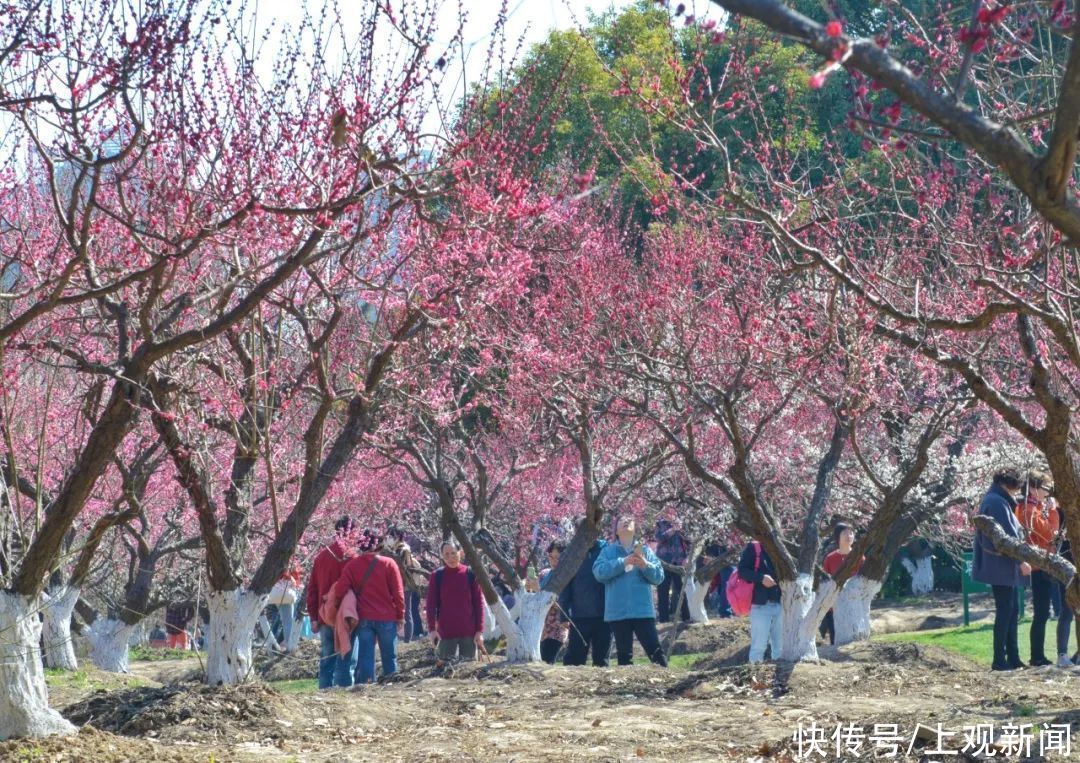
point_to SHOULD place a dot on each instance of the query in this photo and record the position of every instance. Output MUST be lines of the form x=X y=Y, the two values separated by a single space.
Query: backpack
x=740 y=593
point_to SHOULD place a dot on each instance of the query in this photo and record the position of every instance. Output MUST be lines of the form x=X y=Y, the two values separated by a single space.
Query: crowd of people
x=1024 y=507
x=366 y=592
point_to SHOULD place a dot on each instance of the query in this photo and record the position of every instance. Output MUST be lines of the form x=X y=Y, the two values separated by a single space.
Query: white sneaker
x=1063 y=661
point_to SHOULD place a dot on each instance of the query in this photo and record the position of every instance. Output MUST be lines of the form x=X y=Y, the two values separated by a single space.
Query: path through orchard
x=719 y=709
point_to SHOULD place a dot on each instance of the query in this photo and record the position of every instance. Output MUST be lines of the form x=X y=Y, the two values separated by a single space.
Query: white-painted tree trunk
x=233 y=617
x=293 y=641
x=270 y=642
x=139 y=635
x=695 y=598
x=109 y=640
x=492 y=630
x=851 y=612
x=56 y=632
x=523 y=635
x=24 y=697
x=922 y=574
x=802 y=611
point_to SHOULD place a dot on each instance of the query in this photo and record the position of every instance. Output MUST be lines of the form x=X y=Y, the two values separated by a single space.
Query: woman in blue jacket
x=1000 y=572
x=629 y=573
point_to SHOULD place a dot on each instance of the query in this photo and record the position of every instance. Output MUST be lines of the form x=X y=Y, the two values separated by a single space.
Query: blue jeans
x=285 y=612
x=414 y=623
x=364 y=637
x=765 y=629
x=335 y=670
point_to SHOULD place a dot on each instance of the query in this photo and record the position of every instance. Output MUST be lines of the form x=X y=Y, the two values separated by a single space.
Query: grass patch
x=82 y=680
x=152 y=654
x=297 y=686
x=28 y=754
x=973 y=641
x=680 y=663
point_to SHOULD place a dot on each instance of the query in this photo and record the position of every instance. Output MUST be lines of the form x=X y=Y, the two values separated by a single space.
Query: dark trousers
x=667 y=594
x=414 y=624
x=1041 y=583
x=586 y=632
x=828 y=627
x=724 y=607
x=549 y=650
x=1064 y=624
x=1006 y=621
x=645 y=630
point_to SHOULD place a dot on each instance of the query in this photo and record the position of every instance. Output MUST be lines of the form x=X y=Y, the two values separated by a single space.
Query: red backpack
x=740 y=593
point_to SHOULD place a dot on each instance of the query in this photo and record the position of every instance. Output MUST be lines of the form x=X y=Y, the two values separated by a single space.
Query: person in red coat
x=380 y=602
x=844 y=537
x=455 y=607
x=325 y=571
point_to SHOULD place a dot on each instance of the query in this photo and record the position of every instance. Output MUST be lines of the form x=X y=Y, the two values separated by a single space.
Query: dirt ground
x=720 y=709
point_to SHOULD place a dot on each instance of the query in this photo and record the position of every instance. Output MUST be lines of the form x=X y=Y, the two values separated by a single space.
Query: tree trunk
x=523 y=636
x=59 y=648
x=695 y=593
x=233 y=617
x=491 y=625
x=802 y=612
x=293 y=641
x=109 y=644
x=851 y=613
x=24 y=697
x=270 y=642
x=921 y=570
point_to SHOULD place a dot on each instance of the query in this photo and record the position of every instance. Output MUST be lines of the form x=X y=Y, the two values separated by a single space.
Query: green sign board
x=969 y=586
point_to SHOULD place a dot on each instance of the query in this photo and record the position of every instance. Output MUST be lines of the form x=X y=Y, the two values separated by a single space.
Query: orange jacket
x=1041 y=526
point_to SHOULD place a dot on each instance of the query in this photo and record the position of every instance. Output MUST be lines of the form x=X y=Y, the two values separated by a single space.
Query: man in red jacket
x=325 y=571
x=380 y=601
x=455 y=609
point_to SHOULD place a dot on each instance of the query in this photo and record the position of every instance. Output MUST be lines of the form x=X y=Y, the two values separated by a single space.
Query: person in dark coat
x=583 y=602
x=1066 y=616
x=672 y=548
x=766 y=616
x=1000 y=572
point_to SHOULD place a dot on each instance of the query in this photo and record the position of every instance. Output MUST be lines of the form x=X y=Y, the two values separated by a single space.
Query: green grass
x=973 y=641
x=81 y=680
x=150 y=654
x=680 y=663
x=297 y=686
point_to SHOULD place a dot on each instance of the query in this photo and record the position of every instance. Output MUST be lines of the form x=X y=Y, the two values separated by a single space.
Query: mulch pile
x=149 y=711
x=94 y=745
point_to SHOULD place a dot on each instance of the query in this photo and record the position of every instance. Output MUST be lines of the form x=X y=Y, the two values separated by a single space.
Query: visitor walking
x=844 y=538
x=583 y=603
x=671 y=548
x=1041 y=526
x=177 y=617
x=380 y=604
x=411 y=577
x=1066 y=615
x=1000 y=572
x=555 y=626
x=325 y=571
x=629 y=571
x=455 y=608
x=766 y=616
